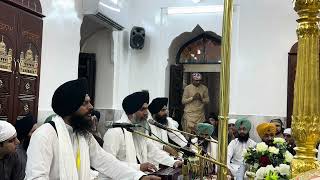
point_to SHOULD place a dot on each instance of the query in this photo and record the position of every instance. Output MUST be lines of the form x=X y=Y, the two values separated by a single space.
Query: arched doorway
x=196 y=51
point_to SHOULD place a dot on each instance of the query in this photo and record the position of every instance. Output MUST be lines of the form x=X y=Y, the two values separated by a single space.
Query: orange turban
x=264 y=128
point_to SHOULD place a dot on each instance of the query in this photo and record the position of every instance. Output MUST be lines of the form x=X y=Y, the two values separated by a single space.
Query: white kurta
x=129 y=147
x=43 y=157
x=235 y=151
x=176 y=137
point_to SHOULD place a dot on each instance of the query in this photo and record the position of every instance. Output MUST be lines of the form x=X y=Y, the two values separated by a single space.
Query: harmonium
x=169 y=173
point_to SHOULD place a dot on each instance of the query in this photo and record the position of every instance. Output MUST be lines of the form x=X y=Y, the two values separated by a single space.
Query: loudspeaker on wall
x=137 y=37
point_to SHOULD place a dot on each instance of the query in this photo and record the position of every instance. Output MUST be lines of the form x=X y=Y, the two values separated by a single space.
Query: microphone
x=155 y=123
x=122 y=125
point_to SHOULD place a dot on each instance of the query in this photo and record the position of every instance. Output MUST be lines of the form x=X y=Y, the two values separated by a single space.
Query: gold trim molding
x=5 y=57
x=28 y=64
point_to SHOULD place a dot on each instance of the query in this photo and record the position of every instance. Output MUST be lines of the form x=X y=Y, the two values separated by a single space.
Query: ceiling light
x=195 y=9
x=196 y=1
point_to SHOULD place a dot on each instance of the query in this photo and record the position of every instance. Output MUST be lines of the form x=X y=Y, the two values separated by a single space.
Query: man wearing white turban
x=195 y=96
x=11 y=167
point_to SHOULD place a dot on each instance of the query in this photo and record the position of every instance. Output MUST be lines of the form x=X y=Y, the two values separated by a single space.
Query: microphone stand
x=183 y=150
x=193 y=135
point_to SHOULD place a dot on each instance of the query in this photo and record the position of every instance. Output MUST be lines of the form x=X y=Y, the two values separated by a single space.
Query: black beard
x=81 y=125
x=204 y=144
x=161 y=119
x=243 y=138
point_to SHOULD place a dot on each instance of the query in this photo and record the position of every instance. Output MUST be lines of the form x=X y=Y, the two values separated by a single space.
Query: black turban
x=157 y=104
x=68 y=98
x=24 y=126
x=134 y=102
x=147 y=95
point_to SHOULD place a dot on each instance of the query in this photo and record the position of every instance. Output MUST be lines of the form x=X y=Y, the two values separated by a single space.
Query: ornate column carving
x=306 y=107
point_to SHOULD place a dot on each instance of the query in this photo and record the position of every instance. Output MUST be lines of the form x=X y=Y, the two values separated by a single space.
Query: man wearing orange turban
x=267 y=132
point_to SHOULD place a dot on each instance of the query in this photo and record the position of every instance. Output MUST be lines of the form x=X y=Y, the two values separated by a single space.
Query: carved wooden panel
x=28 y=5
x=27 y=85
x=6 y=98
x=6 y=83
x=20 y=57
x=8 y=43
x=30 y=41
x=5 y=107
x=25 y=104
x=8 y=34
x=28 y=72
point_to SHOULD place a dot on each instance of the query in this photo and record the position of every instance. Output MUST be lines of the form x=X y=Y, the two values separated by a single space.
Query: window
x=203 y=49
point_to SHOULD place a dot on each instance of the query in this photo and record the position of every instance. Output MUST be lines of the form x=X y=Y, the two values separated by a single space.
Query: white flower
x=288 y=156
x=273 y=150
x=284 y=169
x=269 y=168
x=279 y=141
x=250 y=174
x=244 y=153
x=261 y=173
x=261 y=147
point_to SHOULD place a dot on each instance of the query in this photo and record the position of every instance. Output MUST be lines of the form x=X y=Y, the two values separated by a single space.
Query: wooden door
x=176 y=92
x=8 y=49
x=28 y=70
x=87 y=69
x=212 y=81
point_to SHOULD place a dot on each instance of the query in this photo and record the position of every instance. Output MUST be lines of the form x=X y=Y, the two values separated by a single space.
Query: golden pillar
x=224 y=87
x=306 y=107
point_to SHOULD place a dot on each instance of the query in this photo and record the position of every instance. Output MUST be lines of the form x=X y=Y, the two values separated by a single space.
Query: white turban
x=232 y=121
x=287 y=131
x=6 y=131
x=196 y=76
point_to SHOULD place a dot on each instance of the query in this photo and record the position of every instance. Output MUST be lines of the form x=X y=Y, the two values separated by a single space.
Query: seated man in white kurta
x=159 y=112
x=131 y=148
x=237 y=146
x=64 y=149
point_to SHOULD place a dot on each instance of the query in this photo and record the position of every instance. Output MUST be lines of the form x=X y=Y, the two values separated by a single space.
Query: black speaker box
x=137 y=36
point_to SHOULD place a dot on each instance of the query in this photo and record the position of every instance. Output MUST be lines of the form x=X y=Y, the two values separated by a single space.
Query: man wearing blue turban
x=237 y=146
x=210 y=148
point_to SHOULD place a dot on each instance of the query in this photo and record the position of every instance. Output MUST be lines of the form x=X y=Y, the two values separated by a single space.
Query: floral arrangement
x=269 y=162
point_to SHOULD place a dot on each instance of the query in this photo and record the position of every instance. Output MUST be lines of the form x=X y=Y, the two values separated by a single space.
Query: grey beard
x=140 y=122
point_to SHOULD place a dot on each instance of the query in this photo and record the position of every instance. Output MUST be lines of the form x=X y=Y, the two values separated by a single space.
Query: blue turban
x=204 y=128
x=245 y=122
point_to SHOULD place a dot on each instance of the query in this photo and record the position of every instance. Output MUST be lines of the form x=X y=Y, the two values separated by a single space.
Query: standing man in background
x=195 y=96
x=279 y=127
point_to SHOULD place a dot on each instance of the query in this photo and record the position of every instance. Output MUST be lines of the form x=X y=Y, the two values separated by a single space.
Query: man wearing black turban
x=25 y=127
x=64 y=148
x=136 y=150
x=159 y=112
